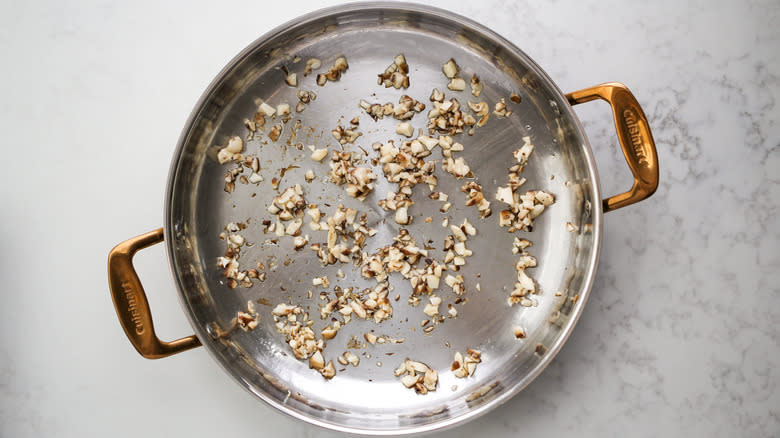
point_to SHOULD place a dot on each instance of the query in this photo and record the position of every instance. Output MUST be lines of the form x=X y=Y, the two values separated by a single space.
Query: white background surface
x=680 y=337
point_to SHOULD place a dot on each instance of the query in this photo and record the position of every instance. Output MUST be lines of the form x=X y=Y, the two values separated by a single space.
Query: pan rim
x=588 y=277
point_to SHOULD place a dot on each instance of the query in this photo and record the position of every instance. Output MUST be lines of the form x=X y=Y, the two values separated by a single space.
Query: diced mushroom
x=291 y=79
x=457 y=84
x=405 y=129
x=319 y=154
x=450 y=69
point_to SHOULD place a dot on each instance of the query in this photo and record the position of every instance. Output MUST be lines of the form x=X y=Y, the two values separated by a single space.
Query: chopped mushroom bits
x=526 y=207
x=292 y=79
x=450 y=69
x=406 y=108
x=311 y=64
x=338 y=231
x=482 y=110
x=396 y=75
x=232 y=151
x=475 y=197
x=463 y=367
x=446 y=117
x=418 y=376
x=501 y=110
x=334 y=73
x=476 y=86
x=247 y=320
x=345 y=135
x=359 y=180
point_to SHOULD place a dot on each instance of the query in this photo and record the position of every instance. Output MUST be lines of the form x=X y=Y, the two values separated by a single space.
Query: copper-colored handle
x=635 y=138
x=131 y=304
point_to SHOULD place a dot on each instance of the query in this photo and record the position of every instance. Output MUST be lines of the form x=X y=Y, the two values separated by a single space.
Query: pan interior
x=369 y=398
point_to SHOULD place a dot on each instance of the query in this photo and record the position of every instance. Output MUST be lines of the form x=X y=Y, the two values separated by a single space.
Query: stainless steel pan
x=369 y=398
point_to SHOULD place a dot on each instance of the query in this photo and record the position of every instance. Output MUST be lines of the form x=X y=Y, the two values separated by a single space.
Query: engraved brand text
x=132 y=307
x=636 y=136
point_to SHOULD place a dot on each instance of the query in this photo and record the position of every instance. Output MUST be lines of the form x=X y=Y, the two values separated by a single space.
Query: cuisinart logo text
x=132 y=306
x=636 y=136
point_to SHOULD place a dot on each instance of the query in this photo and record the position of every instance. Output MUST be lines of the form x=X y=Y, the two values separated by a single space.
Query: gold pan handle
x=635 y=138
x=131 y=304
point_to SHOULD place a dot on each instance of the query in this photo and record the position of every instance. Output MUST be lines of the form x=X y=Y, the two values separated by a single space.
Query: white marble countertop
x=680 y=336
